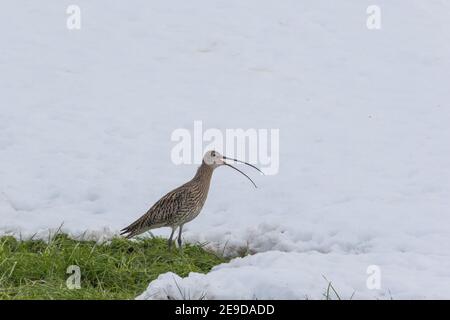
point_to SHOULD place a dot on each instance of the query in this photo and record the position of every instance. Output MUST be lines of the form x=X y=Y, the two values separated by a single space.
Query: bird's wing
x=160 y=213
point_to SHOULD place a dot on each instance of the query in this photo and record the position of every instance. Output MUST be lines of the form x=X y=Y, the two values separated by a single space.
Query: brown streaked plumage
x=184 y=203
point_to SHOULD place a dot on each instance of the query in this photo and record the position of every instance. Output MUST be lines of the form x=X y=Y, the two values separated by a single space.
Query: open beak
x=235 y=160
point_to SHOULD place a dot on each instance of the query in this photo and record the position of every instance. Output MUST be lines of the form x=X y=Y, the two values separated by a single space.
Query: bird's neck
x=204 y=173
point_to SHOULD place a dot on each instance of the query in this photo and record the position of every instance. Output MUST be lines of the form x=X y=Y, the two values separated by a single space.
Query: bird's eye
x=213 y=154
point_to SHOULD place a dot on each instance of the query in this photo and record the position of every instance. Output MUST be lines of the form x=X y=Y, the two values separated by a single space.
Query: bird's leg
x=179 y=236
x=169 y=242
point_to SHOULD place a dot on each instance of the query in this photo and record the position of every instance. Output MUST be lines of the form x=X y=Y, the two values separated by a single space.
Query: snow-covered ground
x=86 y=119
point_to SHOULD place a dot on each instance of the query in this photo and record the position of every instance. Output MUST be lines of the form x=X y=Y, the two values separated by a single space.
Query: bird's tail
x=134 y=229
x=128 y=232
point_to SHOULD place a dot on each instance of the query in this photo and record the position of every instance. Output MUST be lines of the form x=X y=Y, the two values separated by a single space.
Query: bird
x=184 y=203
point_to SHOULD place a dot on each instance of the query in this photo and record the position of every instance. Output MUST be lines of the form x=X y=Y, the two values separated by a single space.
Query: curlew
x=183 y=204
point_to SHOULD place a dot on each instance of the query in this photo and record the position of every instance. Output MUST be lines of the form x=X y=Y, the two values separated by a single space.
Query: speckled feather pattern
x=177 y=207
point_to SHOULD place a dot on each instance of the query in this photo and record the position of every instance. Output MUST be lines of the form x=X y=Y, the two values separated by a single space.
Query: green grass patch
x=118 y=269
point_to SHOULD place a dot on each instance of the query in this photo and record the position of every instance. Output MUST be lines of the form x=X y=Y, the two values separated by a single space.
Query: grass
x=331 y=293
x=119 y=269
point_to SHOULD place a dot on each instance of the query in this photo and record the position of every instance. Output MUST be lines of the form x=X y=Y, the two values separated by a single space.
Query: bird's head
x=214 y=159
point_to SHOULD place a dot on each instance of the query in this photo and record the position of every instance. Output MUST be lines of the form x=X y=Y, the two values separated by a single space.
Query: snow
x=292 y=275
x=86 y=119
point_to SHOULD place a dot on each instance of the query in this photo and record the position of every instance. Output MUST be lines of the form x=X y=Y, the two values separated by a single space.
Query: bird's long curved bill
x=229 y=165
x=235 y=160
